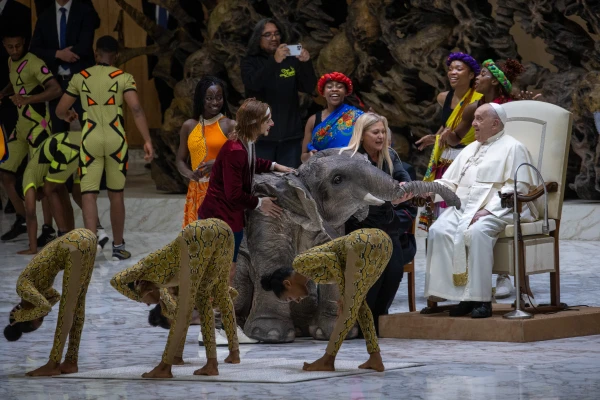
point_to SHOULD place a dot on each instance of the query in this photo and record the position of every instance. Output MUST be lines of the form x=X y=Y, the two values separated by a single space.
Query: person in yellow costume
x=198 y=262
x=74 y=254
x=354 y=262
x=103 y=89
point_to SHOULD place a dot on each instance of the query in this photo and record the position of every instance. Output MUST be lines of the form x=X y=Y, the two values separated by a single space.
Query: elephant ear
x=297 y=202
x=309 y=218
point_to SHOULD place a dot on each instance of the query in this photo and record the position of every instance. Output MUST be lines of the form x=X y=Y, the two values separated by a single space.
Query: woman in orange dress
x=201 y=139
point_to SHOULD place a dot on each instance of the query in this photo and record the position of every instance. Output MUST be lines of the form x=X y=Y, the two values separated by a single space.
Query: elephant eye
x=337 y=180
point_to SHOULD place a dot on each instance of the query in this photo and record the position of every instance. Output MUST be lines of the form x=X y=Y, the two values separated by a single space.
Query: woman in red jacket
x=229 y=192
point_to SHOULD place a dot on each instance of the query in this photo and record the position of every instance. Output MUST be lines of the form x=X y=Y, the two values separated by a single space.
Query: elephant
x=317 y=200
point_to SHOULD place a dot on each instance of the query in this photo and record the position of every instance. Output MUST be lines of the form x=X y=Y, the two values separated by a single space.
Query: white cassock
x=460 y=256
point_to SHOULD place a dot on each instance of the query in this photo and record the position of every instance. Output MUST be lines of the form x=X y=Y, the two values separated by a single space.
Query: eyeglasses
x=269 y=35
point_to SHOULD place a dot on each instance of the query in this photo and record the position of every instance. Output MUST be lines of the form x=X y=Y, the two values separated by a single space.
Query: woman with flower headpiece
x=331 y=127
x=462 y=71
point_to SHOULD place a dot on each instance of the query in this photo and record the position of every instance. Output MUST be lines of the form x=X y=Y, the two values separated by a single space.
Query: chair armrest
x=508 y=201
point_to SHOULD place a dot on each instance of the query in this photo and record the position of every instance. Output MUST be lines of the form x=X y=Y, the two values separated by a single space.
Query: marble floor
x=117 y=334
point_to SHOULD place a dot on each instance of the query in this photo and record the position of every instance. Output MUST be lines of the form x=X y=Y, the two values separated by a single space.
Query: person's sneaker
x=18 y=228
x=504 y=287
x=102 y=239
x=221 y=337
x=48 y=234
x=119 y=253
x=9 y=208
x=243 y=339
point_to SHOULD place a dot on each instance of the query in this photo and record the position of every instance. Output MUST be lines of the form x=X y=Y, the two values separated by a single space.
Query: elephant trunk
x=387 y=189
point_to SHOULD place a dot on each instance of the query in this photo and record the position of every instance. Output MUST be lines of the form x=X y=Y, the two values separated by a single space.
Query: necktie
x=163 y=18
x=63 y=32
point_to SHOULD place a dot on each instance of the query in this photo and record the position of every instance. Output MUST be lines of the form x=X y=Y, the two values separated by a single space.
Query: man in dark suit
x=64 y=39
x=163 y=18
x=11 y=12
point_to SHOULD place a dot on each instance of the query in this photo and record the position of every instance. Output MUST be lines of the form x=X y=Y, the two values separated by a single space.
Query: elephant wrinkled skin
x=317 y=200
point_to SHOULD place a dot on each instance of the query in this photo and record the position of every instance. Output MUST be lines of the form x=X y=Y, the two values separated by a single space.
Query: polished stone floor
x=116 y=334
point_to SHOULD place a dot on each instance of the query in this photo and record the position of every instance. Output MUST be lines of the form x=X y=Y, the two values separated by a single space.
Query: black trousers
x=282 y=152
x=382 y=293
x=59 y=125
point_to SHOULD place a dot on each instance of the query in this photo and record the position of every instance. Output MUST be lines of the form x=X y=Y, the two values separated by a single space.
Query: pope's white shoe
x=504 y=287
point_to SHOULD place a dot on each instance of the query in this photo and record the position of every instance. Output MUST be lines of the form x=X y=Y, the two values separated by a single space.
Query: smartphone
x=295 y=49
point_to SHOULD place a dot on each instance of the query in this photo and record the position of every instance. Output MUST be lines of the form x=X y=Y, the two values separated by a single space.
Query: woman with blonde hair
x=370 y=137
x=229 y=192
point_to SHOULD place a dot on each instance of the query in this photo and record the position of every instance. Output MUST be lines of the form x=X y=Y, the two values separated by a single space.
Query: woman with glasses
x=272 y=75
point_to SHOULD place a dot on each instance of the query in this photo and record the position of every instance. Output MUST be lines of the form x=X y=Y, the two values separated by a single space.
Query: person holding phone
x=271 y=73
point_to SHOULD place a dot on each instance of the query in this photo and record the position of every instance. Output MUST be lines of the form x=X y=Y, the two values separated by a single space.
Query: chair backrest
x=545 y=129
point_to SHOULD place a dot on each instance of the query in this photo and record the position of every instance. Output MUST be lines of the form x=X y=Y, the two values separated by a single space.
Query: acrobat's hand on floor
x=325 y=363
x=210 y=369
x=50 y=369
x=374 y=362
x=233 y=357
x=161 y=371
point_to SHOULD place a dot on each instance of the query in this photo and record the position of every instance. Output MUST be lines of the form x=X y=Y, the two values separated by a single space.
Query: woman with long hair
x=229 y=192
x=370 y=138
x=201 y=139
x=331 y=127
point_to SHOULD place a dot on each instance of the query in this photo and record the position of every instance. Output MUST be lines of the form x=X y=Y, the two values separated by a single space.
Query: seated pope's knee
x=437 y=231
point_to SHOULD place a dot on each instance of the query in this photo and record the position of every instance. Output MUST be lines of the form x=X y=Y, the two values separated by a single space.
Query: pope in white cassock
x=460 y=245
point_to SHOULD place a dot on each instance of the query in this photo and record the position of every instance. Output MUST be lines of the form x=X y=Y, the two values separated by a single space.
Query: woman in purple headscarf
x=462 y=71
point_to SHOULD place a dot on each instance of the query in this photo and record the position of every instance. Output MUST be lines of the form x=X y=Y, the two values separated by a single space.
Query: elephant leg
x=269 y=320
x=326 y=315
x=303 y=313
x=242 y=282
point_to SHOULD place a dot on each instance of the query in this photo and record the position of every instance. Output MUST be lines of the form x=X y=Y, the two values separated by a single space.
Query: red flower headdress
x=334 y=76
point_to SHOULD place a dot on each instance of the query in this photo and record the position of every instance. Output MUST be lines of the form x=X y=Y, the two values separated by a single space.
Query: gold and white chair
x=545 y=129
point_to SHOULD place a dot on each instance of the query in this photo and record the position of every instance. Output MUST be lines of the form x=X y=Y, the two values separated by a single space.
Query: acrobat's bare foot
x=374 y=362
x=233 y=357
x=50 y=369
x=27 y=252
x=178 y=361
x=161 y=371
x=69 y=367
x=325 y=363
x=210 y=369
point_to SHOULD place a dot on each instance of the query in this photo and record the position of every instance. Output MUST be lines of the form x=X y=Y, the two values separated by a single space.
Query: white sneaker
x=243 y=339
x=102 y=239
x=504 y=287
x=220 y=338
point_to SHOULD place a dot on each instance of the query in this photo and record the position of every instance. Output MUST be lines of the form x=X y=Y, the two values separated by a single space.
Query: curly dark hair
x=512 y=69
x=200 y=94
x=254 y=42
x=274 y=281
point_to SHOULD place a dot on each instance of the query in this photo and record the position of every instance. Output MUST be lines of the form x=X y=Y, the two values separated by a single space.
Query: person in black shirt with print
x=271 y=75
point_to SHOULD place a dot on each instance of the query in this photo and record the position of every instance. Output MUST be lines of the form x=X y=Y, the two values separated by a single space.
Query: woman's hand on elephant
x=404 y=198
x=425 y=141
x=268 y=207
x=195 y=175
x=282 y=168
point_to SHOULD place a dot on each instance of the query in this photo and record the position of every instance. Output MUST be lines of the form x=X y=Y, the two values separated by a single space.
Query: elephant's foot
x=323 y=330
x=270 y=330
